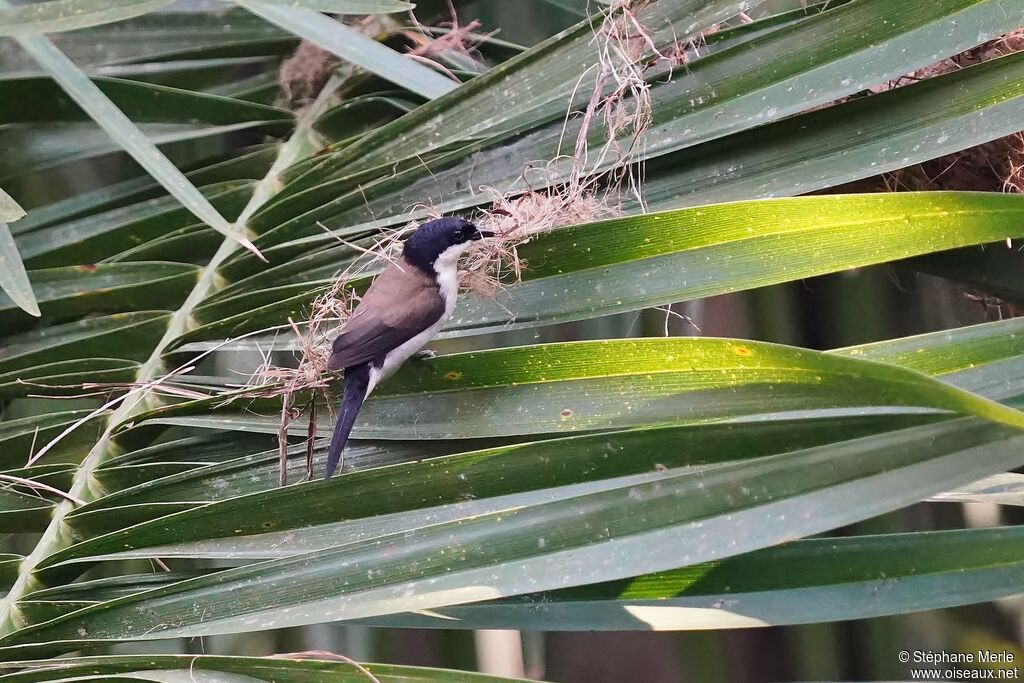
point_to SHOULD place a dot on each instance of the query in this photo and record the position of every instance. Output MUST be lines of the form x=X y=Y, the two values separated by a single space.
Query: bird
x=406 y=305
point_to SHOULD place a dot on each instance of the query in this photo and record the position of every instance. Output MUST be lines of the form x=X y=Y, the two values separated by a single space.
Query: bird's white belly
x=448 y=283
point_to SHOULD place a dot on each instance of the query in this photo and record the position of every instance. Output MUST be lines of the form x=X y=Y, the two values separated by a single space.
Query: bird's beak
x=481 y=234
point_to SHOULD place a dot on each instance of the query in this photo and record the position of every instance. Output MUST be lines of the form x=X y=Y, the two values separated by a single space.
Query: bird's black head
x=439 y=242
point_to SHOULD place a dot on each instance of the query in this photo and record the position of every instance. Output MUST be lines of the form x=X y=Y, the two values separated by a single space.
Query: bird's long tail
x=357 y=381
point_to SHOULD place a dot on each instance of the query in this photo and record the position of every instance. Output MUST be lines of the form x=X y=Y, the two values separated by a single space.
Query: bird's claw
x=424 y=354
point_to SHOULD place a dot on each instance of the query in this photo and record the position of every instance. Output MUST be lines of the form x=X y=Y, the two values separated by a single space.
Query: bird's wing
x=402 y=302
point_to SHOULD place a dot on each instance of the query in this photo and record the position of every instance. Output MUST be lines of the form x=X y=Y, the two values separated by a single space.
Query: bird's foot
x=424 y=354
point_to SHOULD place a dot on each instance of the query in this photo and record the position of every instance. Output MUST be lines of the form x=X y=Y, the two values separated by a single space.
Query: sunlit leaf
x=729 y=92
x=628 y=263
x=854 y=140
x=1000 y=489
x=808 y=581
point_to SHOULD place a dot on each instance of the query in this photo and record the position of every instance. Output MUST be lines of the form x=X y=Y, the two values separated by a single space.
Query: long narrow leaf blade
x=845 y=50
x=624 y=264
x=120 y=128
x=804 y=582
x=354 y=47
x=39 y=100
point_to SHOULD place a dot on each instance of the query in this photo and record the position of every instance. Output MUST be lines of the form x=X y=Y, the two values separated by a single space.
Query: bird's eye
x=458 y=235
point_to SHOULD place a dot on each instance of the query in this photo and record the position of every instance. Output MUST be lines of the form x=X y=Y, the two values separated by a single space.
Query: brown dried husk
x=304 y=74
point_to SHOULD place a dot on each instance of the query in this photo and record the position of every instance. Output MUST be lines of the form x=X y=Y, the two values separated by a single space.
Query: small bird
x=405 y=306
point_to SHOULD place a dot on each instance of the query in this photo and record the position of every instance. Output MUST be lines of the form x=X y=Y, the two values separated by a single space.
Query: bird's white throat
x=446 y=265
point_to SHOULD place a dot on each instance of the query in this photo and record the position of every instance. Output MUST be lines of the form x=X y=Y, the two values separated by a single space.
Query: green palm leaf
x=599 y=484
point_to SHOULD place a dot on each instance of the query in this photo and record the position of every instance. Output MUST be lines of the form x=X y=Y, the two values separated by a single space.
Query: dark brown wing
x=402 y=302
